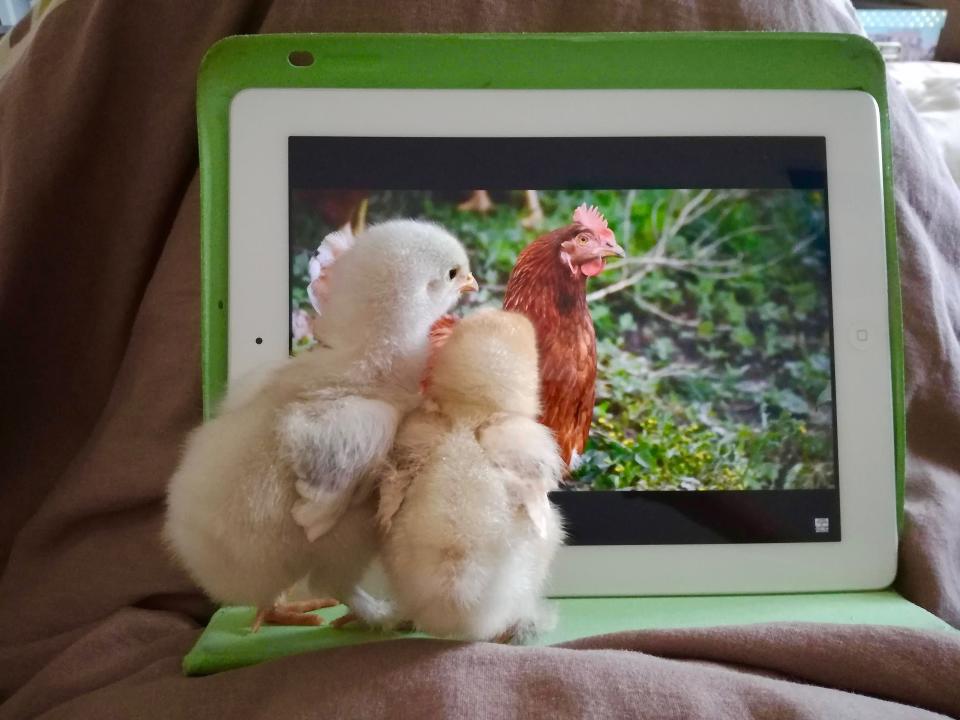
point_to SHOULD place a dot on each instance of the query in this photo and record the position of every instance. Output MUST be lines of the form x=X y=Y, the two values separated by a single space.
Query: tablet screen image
x=713 y=417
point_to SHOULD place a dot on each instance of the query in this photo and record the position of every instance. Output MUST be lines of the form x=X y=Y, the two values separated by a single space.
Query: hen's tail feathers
x=331 y=248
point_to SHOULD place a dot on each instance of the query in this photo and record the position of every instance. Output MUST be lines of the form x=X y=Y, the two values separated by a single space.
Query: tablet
x=742 y=437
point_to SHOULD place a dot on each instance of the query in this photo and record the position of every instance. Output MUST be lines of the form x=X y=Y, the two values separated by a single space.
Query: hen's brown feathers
x=544 y=289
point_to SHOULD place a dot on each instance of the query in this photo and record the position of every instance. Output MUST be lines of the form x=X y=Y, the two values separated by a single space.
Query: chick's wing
x=527 y=451
x=418 y=435
x=331 y=444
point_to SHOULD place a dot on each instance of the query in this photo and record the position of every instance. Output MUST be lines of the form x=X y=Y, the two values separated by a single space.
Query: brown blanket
x=99 y=361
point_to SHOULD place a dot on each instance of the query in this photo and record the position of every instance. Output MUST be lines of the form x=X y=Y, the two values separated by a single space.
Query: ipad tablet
x=743 y=433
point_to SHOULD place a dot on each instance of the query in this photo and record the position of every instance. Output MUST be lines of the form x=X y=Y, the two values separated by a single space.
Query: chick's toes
x=346 y=619
x=292 y=613
x=305 y=606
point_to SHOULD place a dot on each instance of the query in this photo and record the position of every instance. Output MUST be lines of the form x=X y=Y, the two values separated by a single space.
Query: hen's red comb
x=593 y=220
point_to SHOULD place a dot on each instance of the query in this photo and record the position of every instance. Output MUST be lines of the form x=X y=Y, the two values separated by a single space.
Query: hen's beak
x=469 y=285
x=614 y=249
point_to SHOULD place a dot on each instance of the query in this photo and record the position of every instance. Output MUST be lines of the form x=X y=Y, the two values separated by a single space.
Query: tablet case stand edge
x=719 y=60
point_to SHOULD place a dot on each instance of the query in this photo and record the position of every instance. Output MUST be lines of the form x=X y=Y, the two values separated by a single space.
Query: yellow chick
x=469 y=532
x=280 y=485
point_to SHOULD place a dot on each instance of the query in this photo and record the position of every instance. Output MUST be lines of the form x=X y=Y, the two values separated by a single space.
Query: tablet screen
x=711 y=391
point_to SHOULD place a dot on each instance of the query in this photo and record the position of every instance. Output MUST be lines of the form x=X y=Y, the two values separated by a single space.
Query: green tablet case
x=482 y=61
x=228 y=643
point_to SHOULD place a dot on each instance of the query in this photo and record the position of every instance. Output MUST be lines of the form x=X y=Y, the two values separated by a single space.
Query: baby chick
x=469 y=532
x=278 y=485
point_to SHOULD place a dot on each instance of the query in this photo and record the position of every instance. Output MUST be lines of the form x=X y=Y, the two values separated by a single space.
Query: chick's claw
x=292 y=613
x=352 y=618
x=305 y=606
x=347 y=619
x=274 y=616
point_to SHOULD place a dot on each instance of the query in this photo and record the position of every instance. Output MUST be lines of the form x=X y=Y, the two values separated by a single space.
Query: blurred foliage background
x=713 y=333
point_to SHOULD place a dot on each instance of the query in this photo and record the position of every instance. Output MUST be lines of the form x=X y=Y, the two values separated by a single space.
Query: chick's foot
x=352 y=618
x=292 y=613
x=347 y=619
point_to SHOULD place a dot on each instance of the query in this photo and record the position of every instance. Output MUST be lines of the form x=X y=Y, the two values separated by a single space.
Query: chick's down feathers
x=279 y=484
x=469 y=532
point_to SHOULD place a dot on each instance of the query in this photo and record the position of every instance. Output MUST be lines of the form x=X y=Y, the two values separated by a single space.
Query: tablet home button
x=860 y=337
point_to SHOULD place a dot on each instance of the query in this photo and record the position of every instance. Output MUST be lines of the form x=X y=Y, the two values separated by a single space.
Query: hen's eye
x=582 y=239
x=452 y=274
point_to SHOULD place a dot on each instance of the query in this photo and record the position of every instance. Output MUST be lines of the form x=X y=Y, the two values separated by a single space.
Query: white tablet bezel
x=262 y=120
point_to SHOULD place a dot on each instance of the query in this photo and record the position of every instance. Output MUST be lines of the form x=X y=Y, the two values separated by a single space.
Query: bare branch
x=647 y=263
x=689 y=211
x=657 y=204
x=678 y=370
x=668 y=213
x=675 y=319
x=712 y=227
x=703 y=262
x=663 y=315
x=617 y=286
x=705 y=207
x=695 y=208
x=679 y=263
x=798 y=247
x=626 y=228
x=739 y=232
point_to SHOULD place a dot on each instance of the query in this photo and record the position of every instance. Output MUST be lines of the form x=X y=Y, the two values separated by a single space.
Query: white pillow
x=933 y=89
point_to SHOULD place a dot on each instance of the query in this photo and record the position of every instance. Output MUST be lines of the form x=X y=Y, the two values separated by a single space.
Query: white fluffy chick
x=469 y=532
x=279 y=484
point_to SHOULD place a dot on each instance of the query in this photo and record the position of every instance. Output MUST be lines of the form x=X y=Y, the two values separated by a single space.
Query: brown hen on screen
x=548 y=285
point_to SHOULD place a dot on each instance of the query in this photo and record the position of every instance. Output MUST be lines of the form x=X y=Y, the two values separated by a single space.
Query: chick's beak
x=469 y=285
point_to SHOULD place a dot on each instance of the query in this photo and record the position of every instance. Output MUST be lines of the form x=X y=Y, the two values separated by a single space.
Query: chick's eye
x=452 y=274
x=582 y=239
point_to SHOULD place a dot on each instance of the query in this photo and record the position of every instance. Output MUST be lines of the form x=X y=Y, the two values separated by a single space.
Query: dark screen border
x=351 y=163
